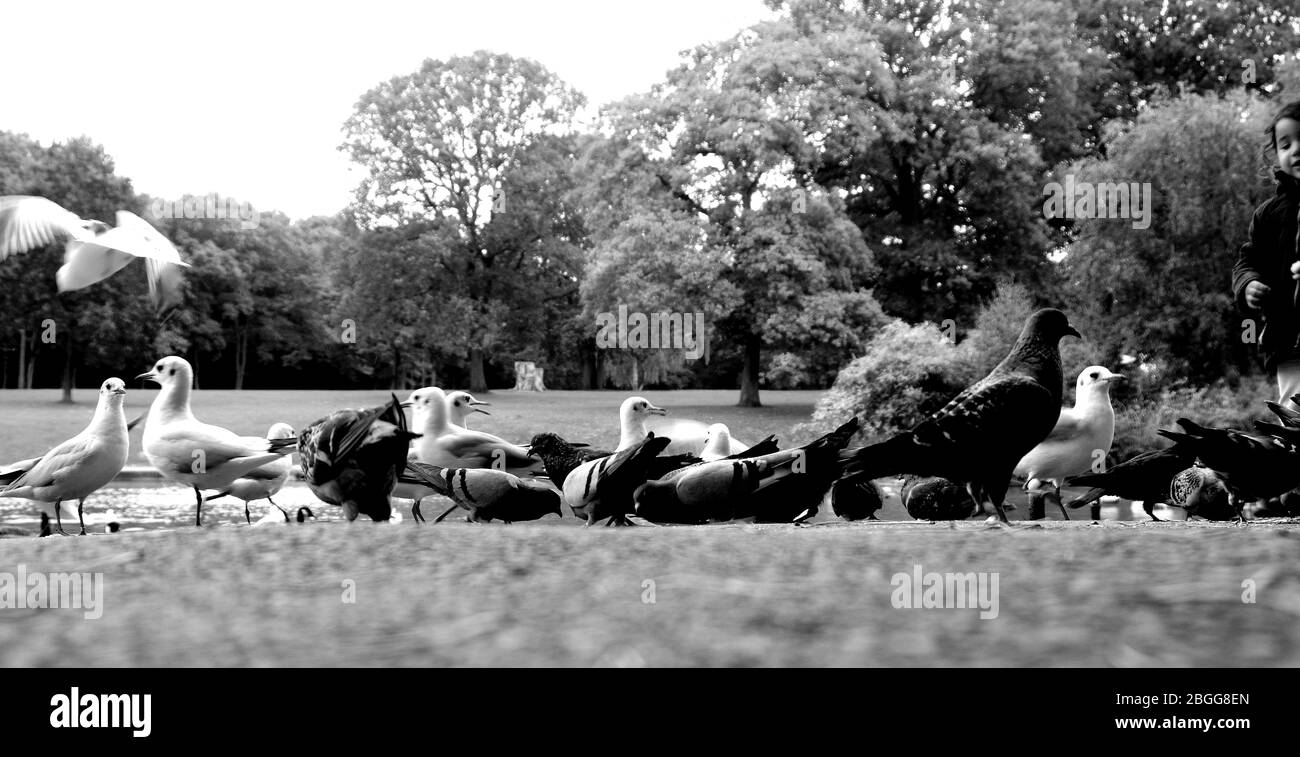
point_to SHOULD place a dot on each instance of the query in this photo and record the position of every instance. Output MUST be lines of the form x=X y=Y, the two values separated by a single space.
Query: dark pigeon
x=1251 y=467
x=1143 y=477
x=978 y=438
x=351 y=458
x=603 y=488
x=934 y=498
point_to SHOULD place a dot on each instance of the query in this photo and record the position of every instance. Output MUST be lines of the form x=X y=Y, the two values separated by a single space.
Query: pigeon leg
x=445 y=513
x=996 y=495
x=198 y=508
x=1149 y=507
x=45 y=525
x=1095 y=510
x=80 y=503
x=58 y=517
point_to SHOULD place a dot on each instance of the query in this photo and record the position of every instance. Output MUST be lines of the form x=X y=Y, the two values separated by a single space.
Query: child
x=1266 y=277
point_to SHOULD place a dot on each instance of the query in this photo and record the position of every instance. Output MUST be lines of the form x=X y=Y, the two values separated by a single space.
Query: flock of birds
x=963 y=456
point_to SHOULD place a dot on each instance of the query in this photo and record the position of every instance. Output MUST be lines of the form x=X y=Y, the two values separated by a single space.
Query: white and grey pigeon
x=83 y=464
x=94 y=250
x=1082 y=435
x=977 y=439
x=196 y=454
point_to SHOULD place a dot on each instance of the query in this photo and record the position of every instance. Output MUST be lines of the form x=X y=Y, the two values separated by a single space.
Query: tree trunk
x=31 y=370
x=69 y=371
x=395 y=382
x=241 y=357
x=588 y=369
x=749 y=372
x=477 y=379
x=22 y=359
x=636 y=374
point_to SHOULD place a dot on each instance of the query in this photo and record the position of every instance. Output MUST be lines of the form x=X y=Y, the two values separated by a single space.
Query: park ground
x=552 y=593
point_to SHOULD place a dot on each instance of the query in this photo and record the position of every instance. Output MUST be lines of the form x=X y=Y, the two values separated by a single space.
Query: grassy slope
x=457 y=594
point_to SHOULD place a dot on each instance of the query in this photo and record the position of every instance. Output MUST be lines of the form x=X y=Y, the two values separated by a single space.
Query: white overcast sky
x=248 y=98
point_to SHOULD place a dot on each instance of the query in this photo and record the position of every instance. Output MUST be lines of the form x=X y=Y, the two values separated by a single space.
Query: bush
x=786 y=371
x=907 y=373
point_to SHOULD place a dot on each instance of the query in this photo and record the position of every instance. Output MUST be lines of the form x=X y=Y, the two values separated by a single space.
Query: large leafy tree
x=439 y=145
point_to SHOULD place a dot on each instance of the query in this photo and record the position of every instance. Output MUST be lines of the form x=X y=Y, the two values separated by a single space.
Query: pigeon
x=94 y=251
x=1081 y=433
x=265 y=481
x=463 y=404
x=933 y=498
x=199 y=455
x=978 y=438
x=560 y=457
x=765 y=447
x=1288 y=417
x=603 y=488
x=78 y=467
x=489 y=494
x=858 y=499
x=1251 y=467
x=1202 y=493
x=781 y=487
x=1144 y=477
x=446 y=446
x=797 y=498
x=719 y=444
x=352 y=458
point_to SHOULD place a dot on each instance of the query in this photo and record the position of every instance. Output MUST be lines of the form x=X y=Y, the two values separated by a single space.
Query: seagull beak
x=147 y=376
x=1116 y=377
x=656 y=410
x=119 y=391
x=474 y=404
x=404 y=404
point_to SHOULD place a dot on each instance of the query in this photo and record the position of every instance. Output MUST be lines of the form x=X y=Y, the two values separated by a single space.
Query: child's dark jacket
x=1267 y=257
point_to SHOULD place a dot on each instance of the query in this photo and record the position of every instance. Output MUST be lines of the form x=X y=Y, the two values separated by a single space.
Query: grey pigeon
x=934 y=498
x=1202 y=493
x=1144 y=477
x=488 y=494
x=603 y=488
x=978 y=438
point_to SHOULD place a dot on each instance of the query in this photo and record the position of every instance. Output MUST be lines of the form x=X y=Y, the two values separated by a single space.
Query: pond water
x=149 y=504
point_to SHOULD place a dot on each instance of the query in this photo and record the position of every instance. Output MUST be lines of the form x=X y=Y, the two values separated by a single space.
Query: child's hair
x=1290 y=110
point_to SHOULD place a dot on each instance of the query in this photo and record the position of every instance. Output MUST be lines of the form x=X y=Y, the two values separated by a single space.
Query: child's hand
x=1257 y=291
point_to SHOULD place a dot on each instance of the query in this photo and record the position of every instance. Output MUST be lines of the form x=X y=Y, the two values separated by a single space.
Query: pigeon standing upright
x=978 y=438
x=1081 y=438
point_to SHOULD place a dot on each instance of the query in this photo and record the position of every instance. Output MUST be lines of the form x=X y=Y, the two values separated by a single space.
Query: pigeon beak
x=656 y=410
x=578 y=445
x=1071 y=331
x=147 y=376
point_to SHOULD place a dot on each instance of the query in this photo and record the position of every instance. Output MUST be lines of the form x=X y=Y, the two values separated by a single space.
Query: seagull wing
x=56 y=465
x=93 y=259
x=27 y=223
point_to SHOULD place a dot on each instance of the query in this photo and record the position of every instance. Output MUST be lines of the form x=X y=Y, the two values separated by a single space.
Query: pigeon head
x=1051 y=325
x=280 y=431
x=549 y=444
x=170 y=371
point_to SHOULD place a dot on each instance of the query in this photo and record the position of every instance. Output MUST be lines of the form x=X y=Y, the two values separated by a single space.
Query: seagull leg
x=247 y=518
x=198 y=508
x=80 y=503
x=281 y=509
x=1061 y=504
x=58 y=517
x=445 y=513
x=416 y=515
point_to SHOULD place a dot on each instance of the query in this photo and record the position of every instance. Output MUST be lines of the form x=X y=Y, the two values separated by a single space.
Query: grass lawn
x=34 y=421
x=524 y=595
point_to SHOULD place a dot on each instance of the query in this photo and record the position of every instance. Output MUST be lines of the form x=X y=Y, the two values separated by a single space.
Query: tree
x=438 y=145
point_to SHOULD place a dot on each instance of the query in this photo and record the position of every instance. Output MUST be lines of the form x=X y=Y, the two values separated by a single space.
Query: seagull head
x=112 y=387
x=169 y=371
x=639 y=408
x=1096 y=376
x=280 y=431
x=717 y=439
x=461 y=404
x=422 y=403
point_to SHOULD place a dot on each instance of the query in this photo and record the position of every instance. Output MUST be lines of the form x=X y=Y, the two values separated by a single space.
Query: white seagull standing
x=199 y=455
x=265 y=481
x=1082 y=435
x=719 y=444
x=94 y=251
x=689 y=437
x=448 y=446
x=80 y=466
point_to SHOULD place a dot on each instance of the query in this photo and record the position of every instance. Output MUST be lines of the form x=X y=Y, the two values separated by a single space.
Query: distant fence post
x=528 y=377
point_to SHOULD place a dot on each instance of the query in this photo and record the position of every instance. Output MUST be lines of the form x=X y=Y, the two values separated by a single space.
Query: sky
x=247 y=99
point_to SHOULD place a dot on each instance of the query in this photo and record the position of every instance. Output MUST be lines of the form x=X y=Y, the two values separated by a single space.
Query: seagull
x=461 y=405
x=264 y=481
x=933 y=498
x=1080 y=433
x=78 y=467
x=719 y=444
x=489 y=494
x=94 y=251
x=199 y=455
x=603 y=488
x=632 y=415
x=447 y=446
x=980 y=435
x=1144 y=477
x=689 y=436
x=1251 y=467
x=352 y=458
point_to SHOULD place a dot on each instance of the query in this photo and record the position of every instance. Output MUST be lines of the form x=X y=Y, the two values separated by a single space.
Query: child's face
x=1286 y=135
